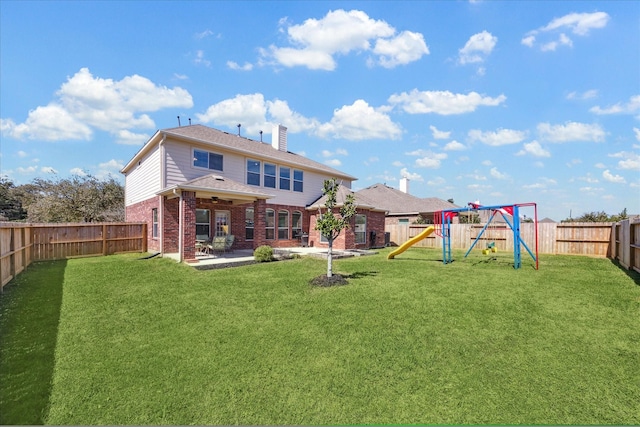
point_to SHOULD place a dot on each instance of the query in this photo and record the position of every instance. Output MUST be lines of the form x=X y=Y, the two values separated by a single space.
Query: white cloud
x=535 y=149
x=428 y=159
x=360 y=121
x=280 y=112
x=442 y=102
x=497 y=174
x=454 y=146
x=203 y=34
x=248 y=110
x=48 y=169
x=235 y=66
x=315 y=42
x=49 y=123
x=404 y=173
x=126 y=137
x=78 y=172
x=571 y=131
x=477 y=48
x=180 y=76
x=589 y=94
x=528 y=40
x=631 y=107
x=112 y=164
x=85 y=102
x=438 y=134
x=200 y=59
x=27 y=170
x=617 y=179
x=496 y=139
x=579 y=24
x=405 y=48
x=630 y=161
x=636 y=132
x=333 y=162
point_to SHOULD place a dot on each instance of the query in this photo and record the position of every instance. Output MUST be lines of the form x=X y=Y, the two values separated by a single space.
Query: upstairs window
x=269 y=175
x=253 y=172
x=298 y=178
x=204 y=159
x=285 y=178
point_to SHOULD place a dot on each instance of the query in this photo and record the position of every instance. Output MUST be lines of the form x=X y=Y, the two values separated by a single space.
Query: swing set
x=511 y=217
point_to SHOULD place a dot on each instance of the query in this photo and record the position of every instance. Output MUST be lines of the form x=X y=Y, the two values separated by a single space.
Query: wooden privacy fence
x=626 y=243
x=575 y=238
x=21 y=244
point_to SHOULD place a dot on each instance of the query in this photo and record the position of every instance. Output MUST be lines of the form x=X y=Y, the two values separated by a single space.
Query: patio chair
x=229 y=242
x=218 y=244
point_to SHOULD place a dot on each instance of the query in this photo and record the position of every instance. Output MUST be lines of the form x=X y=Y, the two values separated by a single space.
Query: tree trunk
x=330 y=259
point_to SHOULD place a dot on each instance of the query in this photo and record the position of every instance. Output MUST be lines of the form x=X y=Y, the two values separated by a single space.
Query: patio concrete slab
x=240 y=257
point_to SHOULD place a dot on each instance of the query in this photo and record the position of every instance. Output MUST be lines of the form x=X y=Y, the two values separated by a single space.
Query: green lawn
x=118 y=340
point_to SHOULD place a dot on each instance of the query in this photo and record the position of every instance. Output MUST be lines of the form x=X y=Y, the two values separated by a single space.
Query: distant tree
x=329 y=224
x=10 y=204
x=419 y=220
x=74 y=199
x=601 y=216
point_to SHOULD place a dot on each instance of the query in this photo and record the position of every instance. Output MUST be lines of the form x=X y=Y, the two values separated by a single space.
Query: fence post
x=104 y=239
x=144 y=237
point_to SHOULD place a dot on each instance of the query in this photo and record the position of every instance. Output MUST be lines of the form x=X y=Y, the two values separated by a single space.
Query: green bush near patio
x=118 y=340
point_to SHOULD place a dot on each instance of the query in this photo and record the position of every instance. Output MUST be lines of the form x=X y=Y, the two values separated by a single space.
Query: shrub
x=263 y=253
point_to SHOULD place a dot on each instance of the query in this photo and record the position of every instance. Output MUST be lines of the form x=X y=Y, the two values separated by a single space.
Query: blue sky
x=497 y=101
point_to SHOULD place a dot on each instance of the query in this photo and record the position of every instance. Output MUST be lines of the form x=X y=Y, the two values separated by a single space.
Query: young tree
x=329 y=224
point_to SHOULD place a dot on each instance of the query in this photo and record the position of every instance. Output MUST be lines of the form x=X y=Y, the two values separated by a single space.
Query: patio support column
x=259 y=223
x=189 y=226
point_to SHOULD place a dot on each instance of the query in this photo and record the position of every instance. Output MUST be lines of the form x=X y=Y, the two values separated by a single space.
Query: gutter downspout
x=180 y=225
x=163 y=183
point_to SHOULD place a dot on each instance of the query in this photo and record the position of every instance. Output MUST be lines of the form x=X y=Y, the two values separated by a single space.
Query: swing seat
x=485 y=251
x=494 y=249
x=491 y=245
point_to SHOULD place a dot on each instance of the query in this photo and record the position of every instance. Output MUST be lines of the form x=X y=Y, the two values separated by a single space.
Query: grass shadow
x=29 y=318
x=360 y=274
x=634 y=275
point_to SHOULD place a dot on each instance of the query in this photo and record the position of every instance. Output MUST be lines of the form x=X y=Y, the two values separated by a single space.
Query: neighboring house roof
x=240 y=144
x=361 y=201
x=397 y=202
x=224 y=188
x=546 y=220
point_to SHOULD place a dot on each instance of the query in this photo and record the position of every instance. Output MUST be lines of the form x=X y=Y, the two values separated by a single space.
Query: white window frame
x=202 y=235
x=253 y=173
x=209 y=154
x=270 y=177
x=249 y=224
x=270 y=224
x=283 y=231
x=360 y=230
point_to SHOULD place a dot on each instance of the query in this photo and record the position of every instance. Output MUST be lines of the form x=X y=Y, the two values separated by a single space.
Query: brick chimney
x=279 y=137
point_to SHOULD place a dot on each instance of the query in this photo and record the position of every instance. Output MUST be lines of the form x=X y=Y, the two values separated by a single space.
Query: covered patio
x=222 y=202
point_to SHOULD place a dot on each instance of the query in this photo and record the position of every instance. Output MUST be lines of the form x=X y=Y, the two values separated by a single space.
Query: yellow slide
x=412 y=241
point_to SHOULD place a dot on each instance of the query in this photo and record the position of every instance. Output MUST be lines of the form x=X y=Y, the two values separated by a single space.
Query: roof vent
x=279 y=137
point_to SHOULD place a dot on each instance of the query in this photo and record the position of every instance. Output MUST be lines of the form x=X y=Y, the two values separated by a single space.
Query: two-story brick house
x=194 y=182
